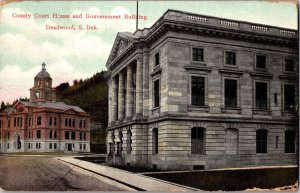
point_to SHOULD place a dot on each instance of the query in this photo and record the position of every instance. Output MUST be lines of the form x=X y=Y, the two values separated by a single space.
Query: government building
x=42 y=124
x=200 y=92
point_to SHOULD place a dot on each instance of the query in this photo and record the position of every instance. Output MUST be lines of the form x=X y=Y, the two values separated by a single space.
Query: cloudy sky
x=25 y=43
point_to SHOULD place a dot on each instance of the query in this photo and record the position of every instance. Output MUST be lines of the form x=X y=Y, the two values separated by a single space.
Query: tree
x=2 y=106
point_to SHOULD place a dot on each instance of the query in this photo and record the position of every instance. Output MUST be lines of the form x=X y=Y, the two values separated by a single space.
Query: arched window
x=289 y=144
x=198 y=143
x=261 y=141
x=155 y=141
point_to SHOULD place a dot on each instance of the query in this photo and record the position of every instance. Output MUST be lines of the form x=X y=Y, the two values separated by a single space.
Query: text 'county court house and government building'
x=195 y=91
x=42 y=124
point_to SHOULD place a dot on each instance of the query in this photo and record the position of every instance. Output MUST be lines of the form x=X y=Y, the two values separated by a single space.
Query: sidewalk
x=133 y=180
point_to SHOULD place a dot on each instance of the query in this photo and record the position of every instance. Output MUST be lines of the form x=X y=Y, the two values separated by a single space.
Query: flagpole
x=137 y=13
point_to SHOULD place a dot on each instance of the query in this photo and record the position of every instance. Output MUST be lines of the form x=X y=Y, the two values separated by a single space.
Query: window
x=39 y=120
x=261 y=61
x=157 y=59
x=84 y=136
x=50 y=134
x=80 y=135
x=70 y=122
x=197 y=138
x=54 y=134
x=80 y=124
x=111 y=149
x=155 y=141
x=289 y=97
x=261 y=95
x=15 y=121
x=55 y=146
x=66 y=122
x=54 y=121
x=198 y=54
x=289 y=145
x=66 y=134
x=289 y=65
x=84 y=124
x=230 y=93
x=50 y=120
x=50 y=145
x=120 y=148
x=84 y=146
x=8 y=135
x=129 y=141
x=261 y=140
x=230 y=58
x=80 y=146
x=197 y=91
x=73 y=135
x=156 y=93
x=276 y=142
x=73 y=122
x=38 y=134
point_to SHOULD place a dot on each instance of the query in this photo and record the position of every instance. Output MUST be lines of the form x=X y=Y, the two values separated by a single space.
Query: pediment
x=70 y=111
x=122 y=42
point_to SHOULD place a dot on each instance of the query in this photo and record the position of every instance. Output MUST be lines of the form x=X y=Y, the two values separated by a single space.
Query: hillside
x=89 y=94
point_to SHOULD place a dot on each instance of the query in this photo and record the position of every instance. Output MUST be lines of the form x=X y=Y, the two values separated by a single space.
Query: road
x=46 y=173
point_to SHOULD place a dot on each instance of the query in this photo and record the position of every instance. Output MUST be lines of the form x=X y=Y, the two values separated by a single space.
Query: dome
x=43 y=73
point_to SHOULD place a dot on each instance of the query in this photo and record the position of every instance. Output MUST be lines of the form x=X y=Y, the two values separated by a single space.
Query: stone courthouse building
x=42 y=124
x=200 y=92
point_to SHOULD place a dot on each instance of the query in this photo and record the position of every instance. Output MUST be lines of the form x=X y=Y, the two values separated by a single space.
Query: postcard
x=149 y=96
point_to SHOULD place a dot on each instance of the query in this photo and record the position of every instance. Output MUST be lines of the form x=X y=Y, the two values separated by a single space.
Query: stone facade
x=195 y=92
x=43 y=125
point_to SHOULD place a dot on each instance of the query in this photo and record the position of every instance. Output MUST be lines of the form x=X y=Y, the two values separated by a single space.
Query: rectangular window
x=39 y=120
x=289 y=65
x=73 y=135
x=230 y=58
x=261 y=61
x=157 y=59
x=66 y=134
x=70 y=122
x=80 y=124
x=197 y=91
x=230 y=93
x=156 y=93
x=66 y=122
x=155 y=141
x=261 y=140
x=8 y=135
x=197 y=140
x=38 y=134
x=80 y=135
x=50 y=145
x=276 y=142
x=80 y=146
x=54 y=121
x=289 y=97
x=55 y=146
x=15 y=122
x=50 y=134
x=54 y=136
x=84 y=136
x=129 y=142
x=36 y=145
x=84 y=124
x=198 y=54
x=84 y=146
x=50 y=120
x=73 y=123
x=261 y=89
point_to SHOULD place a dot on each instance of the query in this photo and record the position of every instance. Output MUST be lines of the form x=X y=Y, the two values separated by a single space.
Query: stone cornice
x=190 y=23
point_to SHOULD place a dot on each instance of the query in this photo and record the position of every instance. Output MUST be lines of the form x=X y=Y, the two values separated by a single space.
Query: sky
x=73 y=54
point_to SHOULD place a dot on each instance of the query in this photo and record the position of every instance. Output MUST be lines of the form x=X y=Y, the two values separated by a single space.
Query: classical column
x=129 y=94
x=139 y=88
x=121 y=104
x=114 y=102
x=146 y=105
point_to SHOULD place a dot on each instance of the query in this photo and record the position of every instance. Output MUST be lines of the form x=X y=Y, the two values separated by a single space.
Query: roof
x=53 y=105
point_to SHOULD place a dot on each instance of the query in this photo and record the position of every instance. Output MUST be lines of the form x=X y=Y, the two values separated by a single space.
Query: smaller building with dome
x=42 y=124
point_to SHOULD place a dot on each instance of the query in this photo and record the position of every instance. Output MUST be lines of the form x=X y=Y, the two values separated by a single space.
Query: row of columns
x=118 y=105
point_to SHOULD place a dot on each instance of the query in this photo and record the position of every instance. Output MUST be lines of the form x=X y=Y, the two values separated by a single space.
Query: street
x=45 y=173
